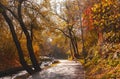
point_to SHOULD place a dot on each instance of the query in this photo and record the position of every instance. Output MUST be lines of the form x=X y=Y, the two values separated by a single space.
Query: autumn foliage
x=84 y=27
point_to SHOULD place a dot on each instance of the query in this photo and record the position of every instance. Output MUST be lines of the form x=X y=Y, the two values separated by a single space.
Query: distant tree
x=69 y=16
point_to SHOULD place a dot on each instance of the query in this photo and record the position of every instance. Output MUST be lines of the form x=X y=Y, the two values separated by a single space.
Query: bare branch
x=61 y=17
x=6 y=8
x=63 y=32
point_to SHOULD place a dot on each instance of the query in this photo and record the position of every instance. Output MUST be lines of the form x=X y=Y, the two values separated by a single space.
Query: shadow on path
x=64 y=70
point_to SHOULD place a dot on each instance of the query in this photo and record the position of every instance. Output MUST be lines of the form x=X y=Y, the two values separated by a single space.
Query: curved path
x=64 y=70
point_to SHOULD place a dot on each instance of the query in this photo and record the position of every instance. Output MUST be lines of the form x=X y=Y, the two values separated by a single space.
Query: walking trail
x=64 y=70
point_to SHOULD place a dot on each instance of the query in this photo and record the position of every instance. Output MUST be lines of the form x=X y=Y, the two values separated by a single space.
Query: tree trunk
x=17 y=43
x=29 y=41
x=72 y=39
x=75 y=42
x=100 y=38
x=72 y=54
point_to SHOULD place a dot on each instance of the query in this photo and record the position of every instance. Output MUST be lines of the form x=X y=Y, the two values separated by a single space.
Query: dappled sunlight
x=64 y=70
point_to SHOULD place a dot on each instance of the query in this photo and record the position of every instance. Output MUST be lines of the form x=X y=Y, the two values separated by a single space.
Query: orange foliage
x=6 y=62
x=87 y=18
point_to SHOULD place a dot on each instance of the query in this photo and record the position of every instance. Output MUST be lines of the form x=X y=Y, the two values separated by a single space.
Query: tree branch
x=63 y=32
x=6 y=8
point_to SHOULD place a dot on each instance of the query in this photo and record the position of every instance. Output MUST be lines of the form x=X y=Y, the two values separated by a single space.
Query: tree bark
x=73 y=42
x=72 y=54
x=17 y=43
x=29 y=41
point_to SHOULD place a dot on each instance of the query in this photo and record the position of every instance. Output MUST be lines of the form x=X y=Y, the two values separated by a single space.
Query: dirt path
x=64 y=70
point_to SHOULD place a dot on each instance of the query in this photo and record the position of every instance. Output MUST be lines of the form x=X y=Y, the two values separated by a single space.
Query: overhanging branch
x=63 y=32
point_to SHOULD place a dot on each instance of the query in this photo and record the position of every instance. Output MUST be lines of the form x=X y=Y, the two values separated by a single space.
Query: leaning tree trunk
x=29 y=41
x=17 y=43
x=72 y=39
x=75 y=43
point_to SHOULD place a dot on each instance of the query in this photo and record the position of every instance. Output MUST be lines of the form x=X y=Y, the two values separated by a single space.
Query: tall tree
x=69 y=16
x=19 y=18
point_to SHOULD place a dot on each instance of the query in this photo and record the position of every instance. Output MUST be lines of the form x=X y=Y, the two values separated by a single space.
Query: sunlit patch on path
x=64 y=70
